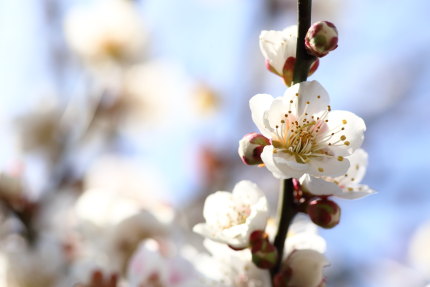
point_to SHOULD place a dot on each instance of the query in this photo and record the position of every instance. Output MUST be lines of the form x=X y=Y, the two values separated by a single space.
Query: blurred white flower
x=154 y=92
x=105 y=30
x=225 y=267
x=345 y=186
x=232 y=216
x=33 y=266
x=149 y=267
x=305 y=267
x=118 y=187
x=306 y=136
x=419 y=250
x=303 y=234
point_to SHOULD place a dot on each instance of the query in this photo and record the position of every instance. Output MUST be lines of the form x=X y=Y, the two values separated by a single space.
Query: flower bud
x=264 y=254
x=250 y=148
x=321 y=38
x=324 y=212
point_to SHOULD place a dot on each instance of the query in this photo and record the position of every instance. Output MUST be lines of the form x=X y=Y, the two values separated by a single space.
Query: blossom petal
x=277 y=46
x=259 y=104
x=282 y=165
x=277 y=111
x=318 y=186
x=357 y=169
x=312 y=98
x=347 y=132
x=215 y=204
x=247 y=191
x=307 y=267
x=330 y=166
x=272 y=49
x=355 y=192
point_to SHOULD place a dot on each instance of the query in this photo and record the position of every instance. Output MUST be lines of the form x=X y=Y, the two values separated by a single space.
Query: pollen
x=340 y=158
x=347 y=143
x=320 y=169
x=297 y=94
x=328 y=108
x=344 y=122
x=350 y=189
x=318 y=97
x=291 y=101
x=343 y=138
x=307 y=102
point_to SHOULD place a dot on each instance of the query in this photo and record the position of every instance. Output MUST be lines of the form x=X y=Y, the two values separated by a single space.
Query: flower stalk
x=303 y=59
x=287 y=207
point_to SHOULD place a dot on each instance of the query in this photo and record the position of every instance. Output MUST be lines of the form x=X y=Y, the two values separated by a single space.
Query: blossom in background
x=232 y=216
x=306 y=135
x=279 y=51
x=304 y=258
x=225 y=267
x=302 y=267
x=150 y=267
x=419 y=250
x=303 y=234
x=155 y=91
x=345 y=186
x=105 y=30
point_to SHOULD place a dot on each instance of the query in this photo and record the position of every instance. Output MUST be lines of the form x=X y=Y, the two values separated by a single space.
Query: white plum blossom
x=303 y=234
x=307 y=136
x=232 y=216
x=346 y=186
x=149 y=266
x=304 y=253
x=279 y=51
x=306 y=267
x=224 y=267
x=278 y=46
x=105 y=30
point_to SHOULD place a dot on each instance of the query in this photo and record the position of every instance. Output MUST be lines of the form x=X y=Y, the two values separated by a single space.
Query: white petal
x=248 y=192
x=277 y=111
x=318 y=186
x=306 y=266
x=215 y=204
x=202 y=229
x=344 y=142
x=357 y=169
x=259 y=104
x=355 y=192
x=330 y=166
x=282 y=165
x=272 y=46
x=290 y=34
x=312 y=97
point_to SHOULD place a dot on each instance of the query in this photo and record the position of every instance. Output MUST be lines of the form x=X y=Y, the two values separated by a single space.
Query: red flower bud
x=321 y=38
x=324 y=212
x=250 y=148
x=264 y=253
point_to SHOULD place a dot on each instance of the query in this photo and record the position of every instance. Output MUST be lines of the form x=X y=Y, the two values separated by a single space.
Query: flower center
x=235 y=216
x=303 y=136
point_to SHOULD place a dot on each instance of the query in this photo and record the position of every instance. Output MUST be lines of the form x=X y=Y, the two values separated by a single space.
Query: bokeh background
x=163 y=120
